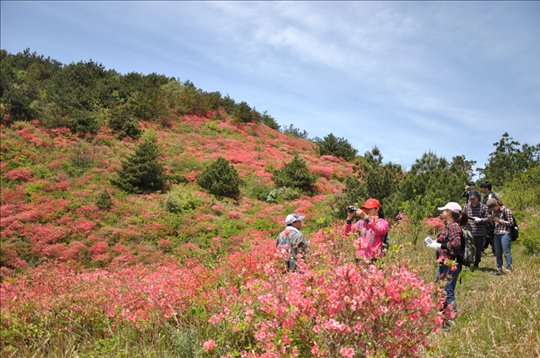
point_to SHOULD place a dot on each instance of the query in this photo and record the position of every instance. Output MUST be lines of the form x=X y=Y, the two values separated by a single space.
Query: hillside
x=53 y=180
x=89 y=270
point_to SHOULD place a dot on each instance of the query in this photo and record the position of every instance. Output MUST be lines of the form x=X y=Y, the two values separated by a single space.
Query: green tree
x=295 y=174
x=23 y=78
x=431 y=182
x=123 y=123
x=243 y=113
x=295 y=132
x=142 y=171
x=338 y=147
x=221 y=179
x=381 y=180
x=353 y=193
x=508 y=160
x=73 y=91
x=269 y=121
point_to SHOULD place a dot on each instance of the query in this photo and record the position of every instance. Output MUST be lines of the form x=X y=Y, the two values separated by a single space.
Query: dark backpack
x=468 y=248
x=514 y=230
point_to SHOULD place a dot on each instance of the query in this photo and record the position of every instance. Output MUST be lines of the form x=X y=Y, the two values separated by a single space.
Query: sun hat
x=293 y=217
x=452 y=206
x=371 y=204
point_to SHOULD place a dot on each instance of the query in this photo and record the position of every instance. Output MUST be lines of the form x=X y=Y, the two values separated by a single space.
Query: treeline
x=433 y=180
x=84 y=96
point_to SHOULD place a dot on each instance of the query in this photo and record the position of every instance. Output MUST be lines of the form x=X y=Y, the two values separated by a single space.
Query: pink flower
x=209 y=345
x=347 y=352
x=234 y=215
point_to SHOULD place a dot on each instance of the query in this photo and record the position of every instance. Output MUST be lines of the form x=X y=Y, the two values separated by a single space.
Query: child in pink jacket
x=370 y=228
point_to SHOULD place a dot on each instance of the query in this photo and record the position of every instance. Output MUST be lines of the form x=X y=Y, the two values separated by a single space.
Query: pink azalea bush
x=330 y=307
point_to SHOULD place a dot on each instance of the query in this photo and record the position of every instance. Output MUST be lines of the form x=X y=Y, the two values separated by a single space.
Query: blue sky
x=408 y=77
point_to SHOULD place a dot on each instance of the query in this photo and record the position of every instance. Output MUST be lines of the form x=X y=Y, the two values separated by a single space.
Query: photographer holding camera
x=468 y=189
x=371 y=229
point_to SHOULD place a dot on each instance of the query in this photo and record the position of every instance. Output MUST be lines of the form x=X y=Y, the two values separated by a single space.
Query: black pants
x=489 y=241
x=479 y=244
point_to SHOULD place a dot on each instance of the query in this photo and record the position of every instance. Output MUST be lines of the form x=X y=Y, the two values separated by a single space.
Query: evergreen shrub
x=221 y=179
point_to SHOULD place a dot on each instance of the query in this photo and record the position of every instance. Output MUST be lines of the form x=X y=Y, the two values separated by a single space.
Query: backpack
x=468 y=248
x=514 y=230
x=283 y=243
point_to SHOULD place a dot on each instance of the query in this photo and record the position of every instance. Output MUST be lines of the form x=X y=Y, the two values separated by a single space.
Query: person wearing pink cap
x=371 y=229
x=448 y=247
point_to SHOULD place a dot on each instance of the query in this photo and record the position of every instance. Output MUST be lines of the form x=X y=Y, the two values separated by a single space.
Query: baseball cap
x=293 y=217
x=452 y=206
x=474 y=194
x=491 y=202
x=371 y=203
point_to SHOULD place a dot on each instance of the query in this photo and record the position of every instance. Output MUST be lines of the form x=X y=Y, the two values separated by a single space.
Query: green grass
x=499 y=316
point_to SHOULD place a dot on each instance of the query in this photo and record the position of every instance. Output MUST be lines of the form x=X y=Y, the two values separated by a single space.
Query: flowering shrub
x=433 y=225
x=329 y=307
x=21 y=174
x=322 y=170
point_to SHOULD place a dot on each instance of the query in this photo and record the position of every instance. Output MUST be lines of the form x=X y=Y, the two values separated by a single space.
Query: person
x=468 y=189
x=488 y=194
x=477 y=214
x=503 y=219
x=371 y=229
x=292 y=241
x=448 y=247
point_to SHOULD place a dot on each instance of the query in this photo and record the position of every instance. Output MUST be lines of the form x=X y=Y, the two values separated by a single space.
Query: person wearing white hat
x=292 y=241
x=448 y=248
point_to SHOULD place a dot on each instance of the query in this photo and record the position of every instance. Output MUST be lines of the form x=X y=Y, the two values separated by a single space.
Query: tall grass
x=499 y=316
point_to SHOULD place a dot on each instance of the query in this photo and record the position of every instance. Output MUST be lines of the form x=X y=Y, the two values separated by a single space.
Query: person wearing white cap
x=292 y=241
x=448 y=248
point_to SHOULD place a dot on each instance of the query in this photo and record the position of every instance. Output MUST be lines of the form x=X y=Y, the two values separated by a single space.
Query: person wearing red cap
x=371 y=229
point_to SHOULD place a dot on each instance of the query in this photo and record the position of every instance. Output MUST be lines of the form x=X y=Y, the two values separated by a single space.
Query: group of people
x=490 y=222
x=486 y=218
x=371 y=229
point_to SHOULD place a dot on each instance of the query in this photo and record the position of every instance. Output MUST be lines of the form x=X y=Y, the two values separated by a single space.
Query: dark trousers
x=450 y=274
x=479 y=244
x=489 y=237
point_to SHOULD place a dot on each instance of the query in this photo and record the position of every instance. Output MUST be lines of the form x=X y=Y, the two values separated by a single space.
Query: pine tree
x=142 y=171
x=295 y=175
x=338 y=147
x=221 y=179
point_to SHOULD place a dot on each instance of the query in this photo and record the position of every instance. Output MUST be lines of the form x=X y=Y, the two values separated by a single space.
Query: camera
x=352 y=208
